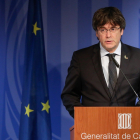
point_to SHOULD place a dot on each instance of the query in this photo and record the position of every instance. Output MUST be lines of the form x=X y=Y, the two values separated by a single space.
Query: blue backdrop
x=67 y=27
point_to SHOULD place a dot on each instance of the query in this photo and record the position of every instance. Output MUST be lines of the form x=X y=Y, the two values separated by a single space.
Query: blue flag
x=35 y=109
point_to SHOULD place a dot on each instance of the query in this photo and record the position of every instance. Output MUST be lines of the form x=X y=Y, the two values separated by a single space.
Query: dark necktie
x=112 y=74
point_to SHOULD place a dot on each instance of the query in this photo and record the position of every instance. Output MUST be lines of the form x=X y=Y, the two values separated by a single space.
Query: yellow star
x=28 y=110
x=35 y=29
x=46 y=106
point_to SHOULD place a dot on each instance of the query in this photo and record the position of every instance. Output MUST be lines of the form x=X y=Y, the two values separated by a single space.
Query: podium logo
x=124 y=120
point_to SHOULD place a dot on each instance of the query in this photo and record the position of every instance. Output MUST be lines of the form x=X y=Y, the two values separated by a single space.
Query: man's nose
x=108 y=33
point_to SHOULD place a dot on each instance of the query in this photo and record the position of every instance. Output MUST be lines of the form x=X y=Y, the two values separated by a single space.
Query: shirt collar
x=104 y=52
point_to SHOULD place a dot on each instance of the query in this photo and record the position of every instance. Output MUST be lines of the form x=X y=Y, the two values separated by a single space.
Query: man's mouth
x=108 y=41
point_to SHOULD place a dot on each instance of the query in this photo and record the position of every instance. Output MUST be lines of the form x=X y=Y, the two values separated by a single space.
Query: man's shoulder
x=131 y=48
x=88 y=50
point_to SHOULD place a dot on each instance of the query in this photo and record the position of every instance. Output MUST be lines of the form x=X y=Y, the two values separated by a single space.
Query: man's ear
x=122 y=31
x=97 y=35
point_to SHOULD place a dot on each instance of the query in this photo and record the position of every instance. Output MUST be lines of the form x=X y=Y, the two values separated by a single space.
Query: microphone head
x=114 y=60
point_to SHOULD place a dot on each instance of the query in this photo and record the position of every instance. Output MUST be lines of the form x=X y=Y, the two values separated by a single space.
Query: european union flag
x=35 y=109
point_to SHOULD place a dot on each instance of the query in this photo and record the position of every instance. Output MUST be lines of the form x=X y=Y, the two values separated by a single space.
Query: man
x=93 y=80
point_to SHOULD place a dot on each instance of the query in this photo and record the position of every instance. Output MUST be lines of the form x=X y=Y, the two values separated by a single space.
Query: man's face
x=109 y=40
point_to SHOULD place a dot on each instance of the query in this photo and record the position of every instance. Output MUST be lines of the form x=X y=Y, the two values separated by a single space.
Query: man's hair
x=106 y=15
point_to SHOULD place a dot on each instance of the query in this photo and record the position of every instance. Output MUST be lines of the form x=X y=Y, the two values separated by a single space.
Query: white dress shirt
x=105 y=60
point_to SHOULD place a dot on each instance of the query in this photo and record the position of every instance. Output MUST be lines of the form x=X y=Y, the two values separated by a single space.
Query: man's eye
x=112 y=29
x=102 y=30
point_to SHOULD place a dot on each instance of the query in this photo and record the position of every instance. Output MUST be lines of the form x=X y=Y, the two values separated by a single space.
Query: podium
x=106 y=123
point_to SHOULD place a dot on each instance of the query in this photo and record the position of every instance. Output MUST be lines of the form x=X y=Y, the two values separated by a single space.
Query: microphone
x=117 y=65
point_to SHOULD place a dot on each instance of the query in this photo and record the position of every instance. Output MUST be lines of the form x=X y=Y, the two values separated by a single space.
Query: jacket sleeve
x=71 y=93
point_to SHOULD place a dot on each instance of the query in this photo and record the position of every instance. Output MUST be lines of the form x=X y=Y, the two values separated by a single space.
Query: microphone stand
x=117 y=65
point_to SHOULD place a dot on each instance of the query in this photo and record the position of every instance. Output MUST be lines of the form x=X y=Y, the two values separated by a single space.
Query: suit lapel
x=125 y=57
x=98 y=67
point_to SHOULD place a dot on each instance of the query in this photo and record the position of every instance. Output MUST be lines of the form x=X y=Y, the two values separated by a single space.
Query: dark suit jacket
x=85 y=83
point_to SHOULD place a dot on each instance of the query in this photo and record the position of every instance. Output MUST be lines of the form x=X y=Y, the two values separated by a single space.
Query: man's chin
x=111 y=49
